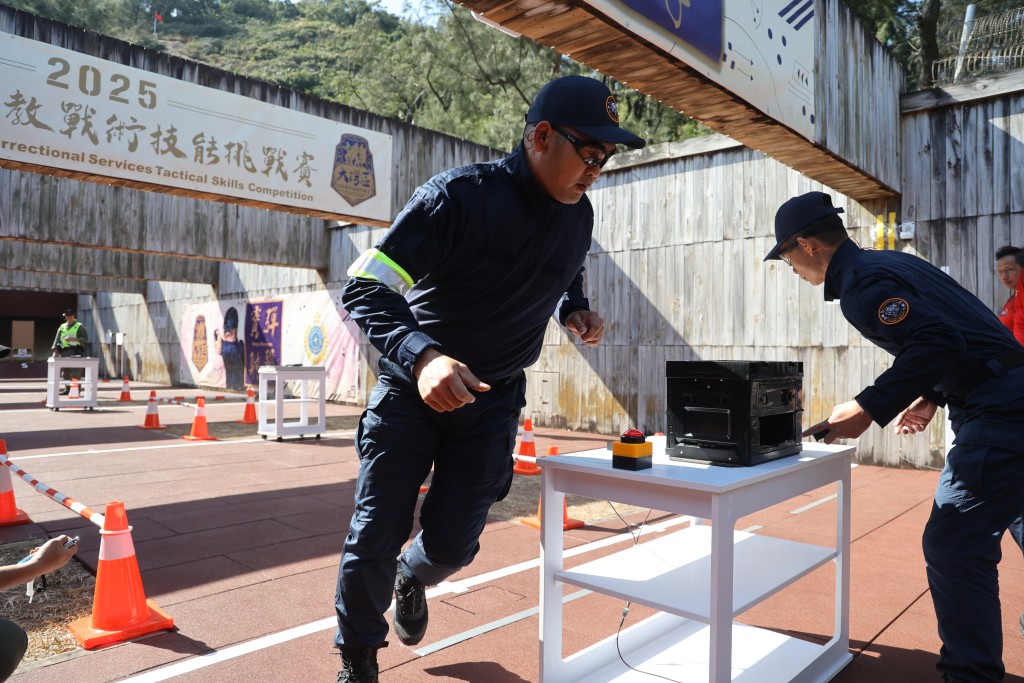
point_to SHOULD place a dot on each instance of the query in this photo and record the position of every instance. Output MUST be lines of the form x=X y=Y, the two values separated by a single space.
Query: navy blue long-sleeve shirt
x=490 y=256
x=939 y=333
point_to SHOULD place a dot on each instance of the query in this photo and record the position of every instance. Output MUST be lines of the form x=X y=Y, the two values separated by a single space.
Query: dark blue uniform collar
x=535 y=196
x=843 y=258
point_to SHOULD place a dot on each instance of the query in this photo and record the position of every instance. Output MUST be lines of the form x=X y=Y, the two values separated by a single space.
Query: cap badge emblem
x=612 y=108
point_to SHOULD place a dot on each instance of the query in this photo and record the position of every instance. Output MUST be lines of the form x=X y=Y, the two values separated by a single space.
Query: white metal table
x=87 y=387
x=312 y=384
x=699 y=578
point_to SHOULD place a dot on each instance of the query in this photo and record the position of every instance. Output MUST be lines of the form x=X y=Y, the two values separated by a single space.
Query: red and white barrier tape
x=180 y=400
x=68 y=502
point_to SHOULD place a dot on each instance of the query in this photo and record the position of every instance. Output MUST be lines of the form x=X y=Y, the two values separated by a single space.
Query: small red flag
x=158 y=17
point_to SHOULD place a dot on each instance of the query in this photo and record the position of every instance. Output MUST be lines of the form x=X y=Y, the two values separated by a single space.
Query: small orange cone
x=199 y=431
x=567 y=522
x=73 y=394
x=125 y=391
x=152 y=418
x=120 y=610
x=10 y=515
x=249 y=417
x=526 y=447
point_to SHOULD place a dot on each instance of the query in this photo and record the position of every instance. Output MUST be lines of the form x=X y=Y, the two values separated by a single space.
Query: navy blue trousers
x=398 y=441
x=980 y=495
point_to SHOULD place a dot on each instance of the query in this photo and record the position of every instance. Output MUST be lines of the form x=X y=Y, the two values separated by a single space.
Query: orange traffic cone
x=73 y=394
x=526 y=447
x=567 y=522
x=9 y=512
x=125 y=391
x=120 y=610
x=249 y=417
x=152 y=418
x=199 y=431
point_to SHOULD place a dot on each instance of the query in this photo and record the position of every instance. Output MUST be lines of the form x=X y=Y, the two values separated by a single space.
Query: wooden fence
x=675 y=267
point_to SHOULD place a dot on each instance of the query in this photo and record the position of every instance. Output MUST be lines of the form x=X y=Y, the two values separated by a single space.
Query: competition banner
x=70 y=111
x=763 y=51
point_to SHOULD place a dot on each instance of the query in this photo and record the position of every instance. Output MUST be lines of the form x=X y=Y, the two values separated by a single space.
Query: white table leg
x=550 y=590
x=720 y=663
x=842 y=627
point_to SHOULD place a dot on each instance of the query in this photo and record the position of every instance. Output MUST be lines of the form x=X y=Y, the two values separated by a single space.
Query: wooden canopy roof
x=578 y=30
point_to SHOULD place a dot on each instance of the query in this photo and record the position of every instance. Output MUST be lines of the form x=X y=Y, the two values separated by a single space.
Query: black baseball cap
x=69 y=311
x=585 y=104
x=797 y=214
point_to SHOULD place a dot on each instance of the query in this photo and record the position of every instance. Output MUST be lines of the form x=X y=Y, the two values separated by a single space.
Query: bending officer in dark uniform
x=949 y=350
x=457 y=297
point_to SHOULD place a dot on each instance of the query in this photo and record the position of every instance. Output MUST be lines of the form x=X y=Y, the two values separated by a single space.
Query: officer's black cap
x=69 y=311
x=798 y=214
x=585 y=104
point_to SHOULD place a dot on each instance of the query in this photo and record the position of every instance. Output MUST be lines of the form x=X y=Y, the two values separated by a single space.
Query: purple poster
x=262 y=337
x=695 y=22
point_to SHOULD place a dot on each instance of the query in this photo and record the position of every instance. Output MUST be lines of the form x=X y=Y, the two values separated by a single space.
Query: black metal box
x=733 y=412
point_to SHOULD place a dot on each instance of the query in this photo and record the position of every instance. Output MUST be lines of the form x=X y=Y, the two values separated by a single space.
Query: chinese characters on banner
x=68 y=110
x=263 y=337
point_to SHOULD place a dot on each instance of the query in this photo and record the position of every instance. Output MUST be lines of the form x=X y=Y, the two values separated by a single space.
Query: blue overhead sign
x=696 y=22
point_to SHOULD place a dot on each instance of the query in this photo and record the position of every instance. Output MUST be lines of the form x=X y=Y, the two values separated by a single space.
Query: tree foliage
x=918 y=32
x=442 y=70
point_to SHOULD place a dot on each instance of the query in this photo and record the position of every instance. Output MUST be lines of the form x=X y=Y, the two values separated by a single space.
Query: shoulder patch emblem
x=893 y=311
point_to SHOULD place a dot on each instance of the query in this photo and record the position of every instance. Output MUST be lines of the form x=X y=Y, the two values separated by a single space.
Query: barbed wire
x=995 y=45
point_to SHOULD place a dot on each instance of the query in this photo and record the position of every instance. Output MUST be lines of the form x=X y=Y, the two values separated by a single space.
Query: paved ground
x=238 y=540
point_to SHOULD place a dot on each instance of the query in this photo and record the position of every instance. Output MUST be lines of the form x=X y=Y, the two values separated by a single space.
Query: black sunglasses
x=793 y=242
x=589 y=151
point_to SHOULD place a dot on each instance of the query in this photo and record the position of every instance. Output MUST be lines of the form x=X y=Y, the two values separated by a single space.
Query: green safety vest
x=66 y=331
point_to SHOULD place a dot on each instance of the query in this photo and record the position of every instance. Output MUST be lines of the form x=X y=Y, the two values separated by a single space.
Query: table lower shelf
x=678 y=649
x=673 y=573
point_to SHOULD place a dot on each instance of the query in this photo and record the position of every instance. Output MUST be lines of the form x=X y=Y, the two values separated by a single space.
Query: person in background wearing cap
x=70 y=342
x=949 y=350
x=457 y=297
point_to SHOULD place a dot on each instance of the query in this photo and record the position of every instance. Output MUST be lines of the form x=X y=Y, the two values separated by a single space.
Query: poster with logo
x=763 y=51
x=223 y=343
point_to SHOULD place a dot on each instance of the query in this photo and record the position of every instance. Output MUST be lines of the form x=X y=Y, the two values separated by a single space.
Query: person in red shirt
x=1009 y=261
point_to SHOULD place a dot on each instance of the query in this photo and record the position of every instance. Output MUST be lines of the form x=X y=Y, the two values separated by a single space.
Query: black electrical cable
x=625 y=610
